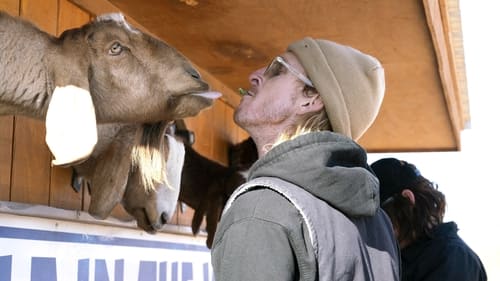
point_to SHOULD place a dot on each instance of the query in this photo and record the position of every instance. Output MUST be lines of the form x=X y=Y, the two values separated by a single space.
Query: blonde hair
x=148 y=156
x=312 y=122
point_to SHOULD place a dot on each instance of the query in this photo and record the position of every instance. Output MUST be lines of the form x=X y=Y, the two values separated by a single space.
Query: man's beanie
x=394 y=176
x=351 y=84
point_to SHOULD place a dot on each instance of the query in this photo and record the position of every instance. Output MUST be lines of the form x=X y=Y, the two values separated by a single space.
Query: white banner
x=38 y=249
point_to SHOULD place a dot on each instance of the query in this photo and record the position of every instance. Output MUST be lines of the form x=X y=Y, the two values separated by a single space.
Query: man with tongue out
x=310 y=209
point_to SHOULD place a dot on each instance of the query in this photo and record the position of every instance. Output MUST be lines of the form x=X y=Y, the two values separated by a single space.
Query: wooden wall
x=26 y=175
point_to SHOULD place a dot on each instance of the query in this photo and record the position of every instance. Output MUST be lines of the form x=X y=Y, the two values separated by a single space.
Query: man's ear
x=310 y=104
x=409 y=195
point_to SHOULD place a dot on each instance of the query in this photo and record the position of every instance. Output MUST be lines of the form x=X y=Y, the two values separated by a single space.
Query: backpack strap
x=286 y=189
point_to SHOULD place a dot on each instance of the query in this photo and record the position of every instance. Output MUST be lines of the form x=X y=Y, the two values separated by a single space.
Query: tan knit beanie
x=351 y=84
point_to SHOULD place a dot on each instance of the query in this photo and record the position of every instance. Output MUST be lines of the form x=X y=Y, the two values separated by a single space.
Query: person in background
x=430 y=248
x=310 y=209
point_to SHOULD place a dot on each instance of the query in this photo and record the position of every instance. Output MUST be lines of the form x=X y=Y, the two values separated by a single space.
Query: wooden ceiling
x=418 y=42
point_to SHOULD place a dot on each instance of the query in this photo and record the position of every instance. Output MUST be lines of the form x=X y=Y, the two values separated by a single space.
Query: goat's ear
x=71 y=128
x=111 y=174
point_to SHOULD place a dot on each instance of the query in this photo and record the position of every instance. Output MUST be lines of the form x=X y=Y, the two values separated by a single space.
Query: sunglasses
x=275 y=68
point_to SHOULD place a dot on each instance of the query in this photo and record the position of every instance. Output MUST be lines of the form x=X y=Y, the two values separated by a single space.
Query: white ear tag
x=71 y=129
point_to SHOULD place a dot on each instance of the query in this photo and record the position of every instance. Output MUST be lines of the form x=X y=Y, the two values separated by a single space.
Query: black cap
x=394 y=175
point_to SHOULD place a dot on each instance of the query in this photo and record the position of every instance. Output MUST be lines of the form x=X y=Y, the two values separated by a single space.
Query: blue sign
x=96 y=253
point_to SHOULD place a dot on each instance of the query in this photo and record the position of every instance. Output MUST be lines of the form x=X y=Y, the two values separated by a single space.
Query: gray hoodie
x=265 y=235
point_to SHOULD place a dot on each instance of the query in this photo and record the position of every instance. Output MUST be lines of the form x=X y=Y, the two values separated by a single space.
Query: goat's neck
x=33 y=63
x=25 y=85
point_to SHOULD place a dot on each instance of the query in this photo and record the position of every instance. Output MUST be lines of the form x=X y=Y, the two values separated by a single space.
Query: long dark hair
x=413 y=222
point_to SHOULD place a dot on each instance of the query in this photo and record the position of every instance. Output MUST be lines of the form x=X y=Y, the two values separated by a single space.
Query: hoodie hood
x=330 y=166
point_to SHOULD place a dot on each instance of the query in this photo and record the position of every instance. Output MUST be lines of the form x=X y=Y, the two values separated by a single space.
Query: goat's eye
x=115 y=49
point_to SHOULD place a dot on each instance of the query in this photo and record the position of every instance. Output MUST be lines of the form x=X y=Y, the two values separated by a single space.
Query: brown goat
x=137 y=84
x=130 y=76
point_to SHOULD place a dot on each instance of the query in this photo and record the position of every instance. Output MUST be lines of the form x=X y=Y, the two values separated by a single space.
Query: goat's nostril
x=195 y=74
x=164 y=218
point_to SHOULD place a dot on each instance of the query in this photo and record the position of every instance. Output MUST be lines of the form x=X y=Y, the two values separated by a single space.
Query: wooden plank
x=242 y=134
x=86 y=198
x=235 y=133
x=10 y=6
x=6 y=125
x=220 y=137
x=6 y=136
x=31 y=163
x=62 y=194
x=31 y=157
x=231 y=127
x=184 y=216
x=437 y=21
x=29 y=210
x=70 y=16
x=453 y=25
x=201 y=125
x=41 y=12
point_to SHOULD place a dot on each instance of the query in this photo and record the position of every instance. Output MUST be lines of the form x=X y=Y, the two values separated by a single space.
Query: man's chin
x=237 y=116
x=242 y=121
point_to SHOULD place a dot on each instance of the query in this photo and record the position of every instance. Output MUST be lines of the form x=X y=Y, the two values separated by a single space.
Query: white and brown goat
x=135 y=165
x=136 y=84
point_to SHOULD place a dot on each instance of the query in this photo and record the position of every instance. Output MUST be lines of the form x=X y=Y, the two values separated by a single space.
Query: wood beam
x=437 y=19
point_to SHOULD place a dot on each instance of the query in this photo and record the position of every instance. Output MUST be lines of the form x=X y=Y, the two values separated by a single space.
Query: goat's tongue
x=209 y=95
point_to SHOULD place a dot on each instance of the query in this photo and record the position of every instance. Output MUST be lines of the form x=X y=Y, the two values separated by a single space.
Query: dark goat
x=206 y=185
